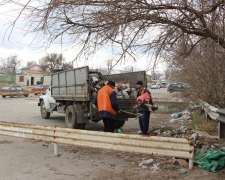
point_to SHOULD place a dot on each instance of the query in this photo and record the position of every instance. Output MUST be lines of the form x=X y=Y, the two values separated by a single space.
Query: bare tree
x=31 y=63
x=131 y=68
x=145 y=26
x=51 y=62
x=11 y=64
x=109 y=63
x=203 y=70
x=156 y=75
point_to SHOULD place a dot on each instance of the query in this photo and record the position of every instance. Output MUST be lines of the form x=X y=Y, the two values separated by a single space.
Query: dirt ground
x=26 y=159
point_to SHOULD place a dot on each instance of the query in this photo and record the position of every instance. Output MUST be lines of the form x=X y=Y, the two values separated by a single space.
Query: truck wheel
x=3 y=96
x=71 y=118
x=26 y=95
x=171 y=91
x=44 y=113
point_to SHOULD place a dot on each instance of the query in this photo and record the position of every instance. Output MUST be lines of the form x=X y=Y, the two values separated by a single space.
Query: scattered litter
x=146 y=162
x=144 y=167
x=155 y=167
x=157 y=132
x=183 y=171
x=194 y=136
x=179 y=162
x=175 y=115
x=194 y=107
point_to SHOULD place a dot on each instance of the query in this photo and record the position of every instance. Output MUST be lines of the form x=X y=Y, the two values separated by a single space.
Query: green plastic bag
x=213 y=160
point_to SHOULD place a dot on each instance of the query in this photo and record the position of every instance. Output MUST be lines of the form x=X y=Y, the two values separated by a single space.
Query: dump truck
x=72 y=93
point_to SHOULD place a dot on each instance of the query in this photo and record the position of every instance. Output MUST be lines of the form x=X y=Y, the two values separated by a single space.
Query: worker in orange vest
x=107 y=104
x=144 y=119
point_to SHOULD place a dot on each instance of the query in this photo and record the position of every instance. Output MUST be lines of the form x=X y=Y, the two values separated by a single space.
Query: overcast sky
x=17 y=44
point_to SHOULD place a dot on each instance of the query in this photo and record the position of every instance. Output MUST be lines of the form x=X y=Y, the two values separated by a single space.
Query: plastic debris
x=179 y=162
x=157 y=132
x=155 y=167
x=213 y=160
x=194 y=107
x=146 y=162
x=183 y=171
x=176 y=115
x=144 y=167
x=194 y=136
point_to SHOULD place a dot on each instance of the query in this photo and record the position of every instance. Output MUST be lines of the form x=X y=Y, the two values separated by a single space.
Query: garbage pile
x=123 y=91
x=181 y=132
x=180 y=116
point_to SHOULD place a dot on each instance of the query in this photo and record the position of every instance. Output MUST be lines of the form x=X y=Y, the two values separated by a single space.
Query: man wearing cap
x=144 y=120
x=107 y=104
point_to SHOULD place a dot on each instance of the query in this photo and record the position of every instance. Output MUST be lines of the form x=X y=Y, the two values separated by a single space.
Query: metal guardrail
x=162 y=146
x=217 y=115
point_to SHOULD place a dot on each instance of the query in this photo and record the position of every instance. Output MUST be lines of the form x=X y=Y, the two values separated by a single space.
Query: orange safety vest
x=103 y=99
x=142 y=92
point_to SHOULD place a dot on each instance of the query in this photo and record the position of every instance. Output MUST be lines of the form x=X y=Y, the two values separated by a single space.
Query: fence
x=217 y=115
x=24 y=93
x=162 y=146
x=9 y=79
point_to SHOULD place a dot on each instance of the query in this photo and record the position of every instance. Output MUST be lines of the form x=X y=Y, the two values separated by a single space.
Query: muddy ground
x=26 y=159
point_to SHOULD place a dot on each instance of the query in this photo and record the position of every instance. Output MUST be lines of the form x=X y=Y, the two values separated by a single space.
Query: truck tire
x=44 y=113
x=3 y=96
x=171 y=91
x=71 y=118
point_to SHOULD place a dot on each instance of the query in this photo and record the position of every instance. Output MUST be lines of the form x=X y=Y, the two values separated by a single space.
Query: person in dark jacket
x=144 y=120
x=107 y=104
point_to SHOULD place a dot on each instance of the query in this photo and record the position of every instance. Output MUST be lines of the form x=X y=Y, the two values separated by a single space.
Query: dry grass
x=199 y=123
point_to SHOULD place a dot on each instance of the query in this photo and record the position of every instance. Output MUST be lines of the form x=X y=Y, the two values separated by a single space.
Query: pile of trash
x=181 y=132
x=181 y=116
x=123 y=91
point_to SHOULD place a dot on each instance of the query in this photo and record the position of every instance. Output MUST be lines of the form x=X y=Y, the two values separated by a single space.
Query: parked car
x=40 y=88
x=175 y=88
x=12 y=89
x=155 y=86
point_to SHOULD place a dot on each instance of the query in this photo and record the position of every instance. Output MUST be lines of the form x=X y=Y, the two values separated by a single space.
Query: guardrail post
x=55 y=149
x=207 y=117
x=191 y=163
x=221 y=120
x=221 y=130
